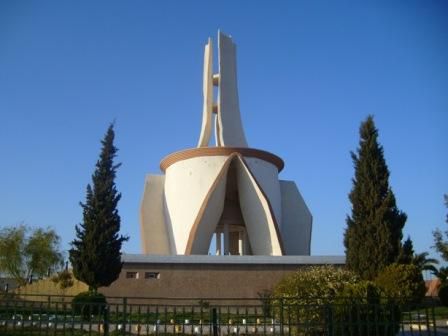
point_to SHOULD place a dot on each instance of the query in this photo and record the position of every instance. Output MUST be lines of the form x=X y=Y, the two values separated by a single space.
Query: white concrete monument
x=229 y=191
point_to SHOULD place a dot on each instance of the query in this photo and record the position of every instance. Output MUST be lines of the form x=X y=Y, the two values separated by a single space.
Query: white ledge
x=233 y=259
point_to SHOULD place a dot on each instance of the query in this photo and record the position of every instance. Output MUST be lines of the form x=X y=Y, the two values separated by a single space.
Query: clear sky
x=309 y=72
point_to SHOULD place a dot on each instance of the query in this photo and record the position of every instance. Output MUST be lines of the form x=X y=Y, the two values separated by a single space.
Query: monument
x=226 y=196
x=227 y=192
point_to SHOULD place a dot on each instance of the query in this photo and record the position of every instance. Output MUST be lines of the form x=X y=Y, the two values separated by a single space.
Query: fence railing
x=56 y=315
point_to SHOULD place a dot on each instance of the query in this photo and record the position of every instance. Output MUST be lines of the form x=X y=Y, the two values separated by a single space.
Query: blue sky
x=309 y=72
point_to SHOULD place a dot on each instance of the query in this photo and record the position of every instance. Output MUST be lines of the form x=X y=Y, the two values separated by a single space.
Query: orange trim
x=221 y=151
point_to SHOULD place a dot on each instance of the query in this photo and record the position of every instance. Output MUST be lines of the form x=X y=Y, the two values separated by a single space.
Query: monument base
x=198 y=276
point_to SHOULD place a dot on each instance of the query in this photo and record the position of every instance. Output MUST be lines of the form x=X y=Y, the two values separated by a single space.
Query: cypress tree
x=95 y=254
x=374 y=229
x=407 y=252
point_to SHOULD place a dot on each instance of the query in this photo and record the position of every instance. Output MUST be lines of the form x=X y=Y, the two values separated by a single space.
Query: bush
x=88 y=304
x=403 y=283
x=321 y=300
x=316 y=283
x=443 y=294
x=361 y=310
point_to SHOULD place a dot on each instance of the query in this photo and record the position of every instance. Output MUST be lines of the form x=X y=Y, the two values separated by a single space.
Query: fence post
x=125 y=303
x=281 y=316
x=329 y=314
x=433 y=313
x=215 y=322
x=106 y=320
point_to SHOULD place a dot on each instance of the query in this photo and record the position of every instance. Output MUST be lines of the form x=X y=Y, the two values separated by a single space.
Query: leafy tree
x=404 y=282
x=374 y=229
x=96 y=251
x=26 y=252
x=441 y=245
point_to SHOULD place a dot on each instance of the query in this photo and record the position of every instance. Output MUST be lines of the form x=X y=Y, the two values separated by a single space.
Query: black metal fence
x=55 y=315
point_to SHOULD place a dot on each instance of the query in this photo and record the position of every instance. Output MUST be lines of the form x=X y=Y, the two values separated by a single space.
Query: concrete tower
x=228 y=191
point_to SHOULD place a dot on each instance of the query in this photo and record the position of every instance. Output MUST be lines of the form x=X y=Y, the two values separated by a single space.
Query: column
x=246 y=243
x=226 y=238
x=218 y=243
x=240 y=242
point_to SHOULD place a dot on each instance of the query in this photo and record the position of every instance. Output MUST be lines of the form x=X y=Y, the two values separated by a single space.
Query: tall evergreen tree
x=95 y=254
x=374 y=230
x=421 y=260
x=407 y=252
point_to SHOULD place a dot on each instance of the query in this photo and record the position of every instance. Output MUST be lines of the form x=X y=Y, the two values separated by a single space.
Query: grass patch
x=441 y=313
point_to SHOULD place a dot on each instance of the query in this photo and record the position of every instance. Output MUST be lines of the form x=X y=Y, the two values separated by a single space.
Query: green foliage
x=334 y=299
x=96 y=252
x=358 y=306
x=317 y=283
x=406 y=252
x=302 y=296
x=25 y=252
x=424 y=263
x=88 y=303
x=403 y=282
x=360 y=292
x=421 y=260
x=443 y=294
x=374 y=229
x=441 y=245
x=442 y=274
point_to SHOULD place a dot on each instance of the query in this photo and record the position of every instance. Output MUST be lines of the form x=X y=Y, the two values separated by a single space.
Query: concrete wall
x=207 y=276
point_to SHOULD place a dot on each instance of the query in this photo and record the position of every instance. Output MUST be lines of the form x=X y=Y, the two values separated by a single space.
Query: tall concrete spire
x=229 y=130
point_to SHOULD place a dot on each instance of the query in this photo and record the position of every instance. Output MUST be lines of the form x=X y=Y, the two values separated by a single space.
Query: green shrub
x=330 y=300
x=443 y=294
x=402 y=282
x=361 y=310
x=316 y=283
x=88 y=304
